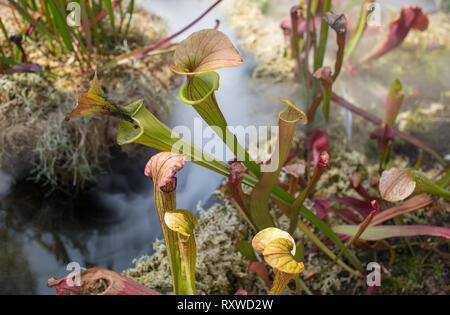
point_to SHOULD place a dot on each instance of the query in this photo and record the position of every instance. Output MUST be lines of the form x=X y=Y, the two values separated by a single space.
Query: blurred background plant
x=85 y=31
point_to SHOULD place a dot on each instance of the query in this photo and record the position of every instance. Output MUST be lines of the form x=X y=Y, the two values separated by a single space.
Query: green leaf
x=9 y=61
x=109 y=7
x=60 y=24
x=246 y=249
x=375 y=233
x=359 y=30
x=259 y=198
x=205 y=51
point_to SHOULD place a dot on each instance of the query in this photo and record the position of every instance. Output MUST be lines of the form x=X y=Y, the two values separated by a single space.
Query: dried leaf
x=99 y=281
x=93 y=102
x=205 y=51
x=417 y=202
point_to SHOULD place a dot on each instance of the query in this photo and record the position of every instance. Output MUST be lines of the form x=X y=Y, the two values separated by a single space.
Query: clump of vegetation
x=33 y=104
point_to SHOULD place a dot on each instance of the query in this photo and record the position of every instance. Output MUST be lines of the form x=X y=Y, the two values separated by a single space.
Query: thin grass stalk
x=86 y=26
x=318 y=60
x=359 y=30
x=307 y=49
x=349 y=243
x=295 y=48
x=91 y=13
x=324 y=248
x=130 y=11
x=121 y=15
x=44 y=11
x=8 y=42
x=110 y=9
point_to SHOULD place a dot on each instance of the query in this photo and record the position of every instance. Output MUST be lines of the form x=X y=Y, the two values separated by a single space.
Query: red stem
x=377 y=121
x=168 y=39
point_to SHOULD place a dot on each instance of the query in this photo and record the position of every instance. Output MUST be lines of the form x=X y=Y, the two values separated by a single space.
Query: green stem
x=359 y=30
x=361 y=229
x=318 y=60
x=198 y=91
x=295 y=49
x=324 y=248
x=300 y=284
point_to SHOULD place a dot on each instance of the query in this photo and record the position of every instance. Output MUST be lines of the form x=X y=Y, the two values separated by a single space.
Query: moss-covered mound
x=32 y=108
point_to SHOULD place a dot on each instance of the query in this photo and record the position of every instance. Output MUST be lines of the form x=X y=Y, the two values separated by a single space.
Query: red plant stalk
x=168 y=39
x=321 y=166
x=377 y=121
